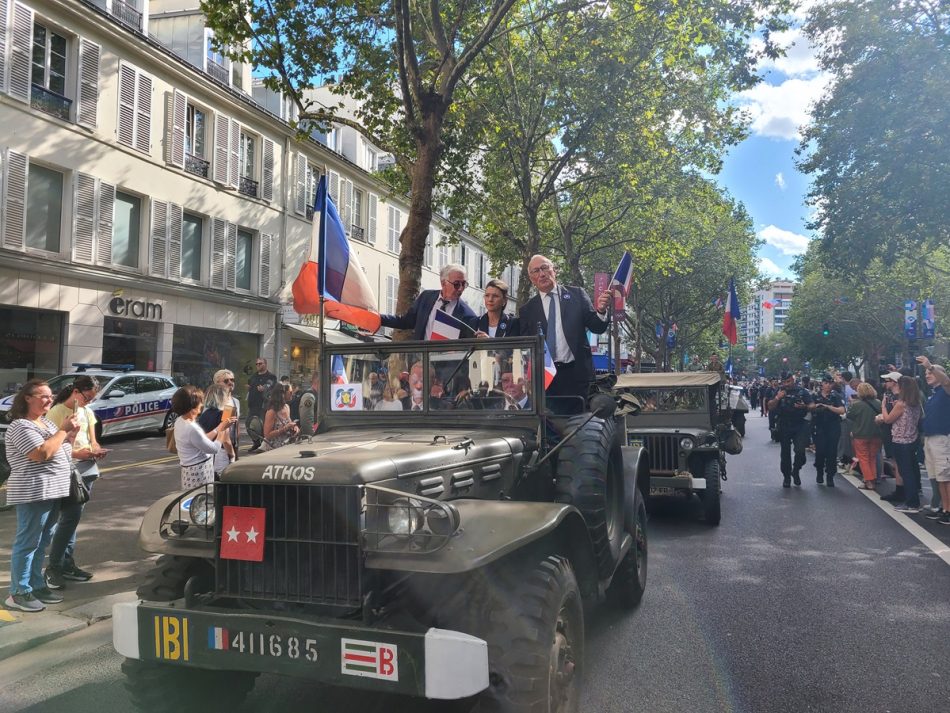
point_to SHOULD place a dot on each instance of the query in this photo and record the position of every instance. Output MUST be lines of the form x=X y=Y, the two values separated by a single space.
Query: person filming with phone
x=74 y=401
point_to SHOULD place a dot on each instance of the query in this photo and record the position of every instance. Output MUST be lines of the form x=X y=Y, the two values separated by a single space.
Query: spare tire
x=589 y=476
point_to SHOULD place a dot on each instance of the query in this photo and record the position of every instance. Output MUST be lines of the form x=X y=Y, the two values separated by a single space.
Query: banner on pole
x=910 y=319
x=928 y=320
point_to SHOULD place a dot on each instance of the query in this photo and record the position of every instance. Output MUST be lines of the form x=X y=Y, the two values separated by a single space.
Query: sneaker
x=74 y=574
x=945 y=519
x=796 y=478
x=47 y=595
x=934 y=515
x=24 y=601
x=907 y=509
x=54 y=578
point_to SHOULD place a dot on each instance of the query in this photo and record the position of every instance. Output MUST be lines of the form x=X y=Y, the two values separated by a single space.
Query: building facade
x=768 y=311
x=155 y=205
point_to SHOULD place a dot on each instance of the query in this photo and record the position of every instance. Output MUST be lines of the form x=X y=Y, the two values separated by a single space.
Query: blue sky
x=760 y=172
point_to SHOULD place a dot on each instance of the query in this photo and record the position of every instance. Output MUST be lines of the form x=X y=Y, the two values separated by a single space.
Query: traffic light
x=825 y=330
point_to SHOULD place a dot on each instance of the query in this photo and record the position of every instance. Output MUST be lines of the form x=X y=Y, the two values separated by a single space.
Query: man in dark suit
x=421 y=314
x=565 y=327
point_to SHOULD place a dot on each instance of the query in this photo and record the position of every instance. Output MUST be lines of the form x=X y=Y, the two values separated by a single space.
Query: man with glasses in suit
x=421 y=314
x=564 y=315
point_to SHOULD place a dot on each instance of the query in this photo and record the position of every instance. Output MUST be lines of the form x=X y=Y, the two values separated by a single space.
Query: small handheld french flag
x=445 y=326
x=550 y=371
x=624 y=275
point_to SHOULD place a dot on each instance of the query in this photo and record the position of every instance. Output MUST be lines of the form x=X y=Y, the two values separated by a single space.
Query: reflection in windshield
x=669 y=400
x=478 y=378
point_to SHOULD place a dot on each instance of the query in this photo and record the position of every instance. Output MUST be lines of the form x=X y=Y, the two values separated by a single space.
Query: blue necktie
x=550 y=336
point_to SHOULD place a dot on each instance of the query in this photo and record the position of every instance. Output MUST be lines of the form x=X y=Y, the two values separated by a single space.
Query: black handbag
x=78 y=492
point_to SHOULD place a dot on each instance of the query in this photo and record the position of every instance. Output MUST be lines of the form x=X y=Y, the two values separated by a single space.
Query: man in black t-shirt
x=790 y=406
x=826 y=412
x=258 y=390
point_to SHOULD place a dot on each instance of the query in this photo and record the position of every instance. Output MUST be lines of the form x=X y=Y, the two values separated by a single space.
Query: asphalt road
x=806 y=599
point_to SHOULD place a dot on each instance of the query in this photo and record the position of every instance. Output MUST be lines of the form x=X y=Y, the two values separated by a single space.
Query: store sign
x=124 y=307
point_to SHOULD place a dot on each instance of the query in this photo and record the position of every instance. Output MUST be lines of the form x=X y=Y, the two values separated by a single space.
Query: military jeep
x=441 y=541
x=685 y=423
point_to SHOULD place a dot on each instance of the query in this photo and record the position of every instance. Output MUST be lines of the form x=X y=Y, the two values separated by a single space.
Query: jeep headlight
x=202 y=510
x=686 y=444
x=404 y=517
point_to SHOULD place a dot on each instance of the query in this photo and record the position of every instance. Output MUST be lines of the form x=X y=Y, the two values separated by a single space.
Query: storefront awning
x=331 y=332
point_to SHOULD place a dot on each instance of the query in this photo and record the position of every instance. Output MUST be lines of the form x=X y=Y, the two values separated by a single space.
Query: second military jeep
x=434 y=538
x=685 y=423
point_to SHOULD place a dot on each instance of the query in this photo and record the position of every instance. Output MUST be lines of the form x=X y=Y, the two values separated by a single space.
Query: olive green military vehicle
x=442 y=541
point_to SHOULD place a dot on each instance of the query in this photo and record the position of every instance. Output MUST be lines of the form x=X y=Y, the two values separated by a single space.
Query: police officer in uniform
x=790 y=405
x=827 y=410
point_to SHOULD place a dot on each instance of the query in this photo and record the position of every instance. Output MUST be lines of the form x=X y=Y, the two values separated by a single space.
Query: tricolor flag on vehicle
x=445 y=326
x=218 y=638
x=370 y=659
x=550 y=371
x=624 y=275
x=732 y=314
x=333 y=270
x=339 y=371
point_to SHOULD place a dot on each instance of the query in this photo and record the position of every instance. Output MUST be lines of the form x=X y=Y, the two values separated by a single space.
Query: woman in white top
x=196 y=450
x=389 y=402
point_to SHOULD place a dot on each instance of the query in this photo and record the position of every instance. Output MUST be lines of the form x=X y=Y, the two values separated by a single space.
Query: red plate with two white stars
x=242 y=533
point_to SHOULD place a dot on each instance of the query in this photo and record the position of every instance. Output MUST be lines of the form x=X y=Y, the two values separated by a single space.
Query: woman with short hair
x=217 y=401
x=196 y=449
x=496 y=322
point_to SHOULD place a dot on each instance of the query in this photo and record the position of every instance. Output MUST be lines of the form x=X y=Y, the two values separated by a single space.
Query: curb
x=32 y=630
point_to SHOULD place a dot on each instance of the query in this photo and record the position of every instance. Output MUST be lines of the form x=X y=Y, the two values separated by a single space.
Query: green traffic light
x=825 y=330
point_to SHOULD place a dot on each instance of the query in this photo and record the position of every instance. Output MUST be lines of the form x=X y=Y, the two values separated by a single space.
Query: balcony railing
x=309 y=212
x=248 y=187
x=356 y=232
x=52 y=103
x=196 y=165
x=127 y=14
x=217 y=71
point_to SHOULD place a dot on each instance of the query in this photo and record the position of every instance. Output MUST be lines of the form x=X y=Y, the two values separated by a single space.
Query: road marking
x=932 y=543
x=154 y=461
x=7 y=616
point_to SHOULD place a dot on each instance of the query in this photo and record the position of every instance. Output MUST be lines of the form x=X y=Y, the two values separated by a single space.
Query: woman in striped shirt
x=40 y=458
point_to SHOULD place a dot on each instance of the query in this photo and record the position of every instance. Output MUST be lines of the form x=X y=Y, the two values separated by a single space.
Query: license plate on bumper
x=425 y=664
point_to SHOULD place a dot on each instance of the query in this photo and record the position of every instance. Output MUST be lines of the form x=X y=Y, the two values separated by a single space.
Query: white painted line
x=932 y=543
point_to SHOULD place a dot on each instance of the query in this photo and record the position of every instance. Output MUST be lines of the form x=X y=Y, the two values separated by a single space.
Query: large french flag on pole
x=732 y=314
x=333 y=270
x=624 y=275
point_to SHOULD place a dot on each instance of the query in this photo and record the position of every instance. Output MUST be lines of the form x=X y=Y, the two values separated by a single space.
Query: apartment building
x=767 y=311
x=155 y=203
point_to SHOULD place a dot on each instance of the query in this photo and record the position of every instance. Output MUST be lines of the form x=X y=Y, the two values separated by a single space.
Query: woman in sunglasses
x=225 y=379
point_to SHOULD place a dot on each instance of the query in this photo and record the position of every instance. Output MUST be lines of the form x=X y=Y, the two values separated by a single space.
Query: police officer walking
x=827 y=410
x=790 y=405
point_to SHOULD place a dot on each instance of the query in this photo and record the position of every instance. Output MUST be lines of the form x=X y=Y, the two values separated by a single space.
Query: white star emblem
x=252 y=534
x=233 y=534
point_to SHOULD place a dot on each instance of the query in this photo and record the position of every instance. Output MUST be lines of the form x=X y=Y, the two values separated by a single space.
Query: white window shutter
x=178 y=111
x=230 y=256
x=158 y=235
x=174 y=241
x=125 y=131
x=267 y=170
x=15 y=172
x=21 y=52
x=221 y=149
x=234 y=158
x=219 y=229
x=333 y=187
x=104 y=223
x=4 y=10
x=264 y=265
x=427 y=259
x=87 y=113
x=301 y=203
x=143 y=114
x=371 y=208
x=84 y=218
x=346 y=198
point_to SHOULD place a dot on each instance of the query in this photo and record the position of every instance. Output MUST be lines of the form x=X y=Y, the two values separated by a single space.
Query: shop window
x=29 y=346
x=126 y=230
x=44 y=208
x=197 y=353
x=130 y=341
x=243 y=260
x=191 y=247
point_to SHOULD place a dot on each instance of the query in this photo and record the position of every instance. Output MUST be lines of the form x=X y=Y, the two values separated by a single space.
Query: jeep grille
x=663 y=451
x=311 y=545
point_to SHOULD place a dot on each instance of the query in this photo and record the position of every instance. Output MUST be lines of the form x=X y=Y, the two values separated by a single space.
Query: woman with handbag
x=866 y=435
x=903 y=418
x=196 y=450
x=40 y=456
x=71 y=401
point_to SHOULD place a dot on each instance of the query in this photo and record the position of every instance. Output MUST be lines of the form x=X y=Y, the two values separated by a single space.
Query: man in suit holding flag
x=421 y=317
x=563 y=314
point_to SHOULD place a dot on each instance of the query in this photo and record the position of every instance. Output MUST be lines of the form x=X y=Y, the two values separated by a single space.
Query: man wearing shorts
x=936 y=429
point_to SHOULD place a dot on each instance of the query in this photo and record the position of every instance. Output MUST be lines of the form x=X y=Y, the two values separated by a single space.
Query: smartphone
x=103 y=452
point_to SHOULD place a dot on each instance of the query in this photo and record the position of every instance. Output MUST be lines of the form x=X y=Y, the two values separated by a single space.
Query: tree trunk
x=532 y=245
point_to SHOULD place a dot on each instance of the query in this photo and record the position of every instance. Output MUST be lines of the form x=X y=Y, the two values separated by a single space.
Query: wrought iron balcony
x=248 y=187
x=127 y=14
x=309 y=212
x=217 y=71
x=52 y=103
x=356 y=232
x=196 y=165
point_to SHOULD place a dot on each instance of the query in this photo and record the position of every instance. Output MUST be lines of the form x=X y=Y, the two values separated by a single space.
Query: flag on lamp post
x=732 y=314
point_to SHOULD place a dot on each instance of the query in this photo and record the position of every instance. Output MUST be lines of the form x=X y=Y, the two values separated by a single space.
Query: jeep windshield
x=465 y=377
x=673 y=400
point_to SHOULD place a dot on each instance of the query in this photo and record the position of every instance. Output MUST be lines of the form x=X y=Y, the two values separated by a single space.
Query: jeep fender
x=636 y=474
x=196 y=542
x=492 y=529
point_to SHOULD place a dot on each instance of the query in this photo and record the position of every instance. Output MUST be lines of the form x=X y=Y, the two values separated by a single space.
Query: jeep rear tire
x=710 y=498
x=163 y=688
x=589 y=477
x=630 y=580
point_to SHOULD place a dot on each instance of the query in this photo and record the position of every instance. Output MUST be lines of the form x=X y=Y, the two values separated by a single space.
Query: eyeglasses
x=260 y=363
x=457 y=284
x=42 y=397
x=541 y=268
x=228 y=381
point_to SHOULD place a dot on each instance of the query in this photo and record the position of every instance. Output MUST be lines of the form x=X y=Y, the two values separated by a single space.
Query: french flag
x=732 y=314
x=550 y=371
x=339 y=370
x=624 y=275
x=445 y=326
x=218 y=639
x=333 y=271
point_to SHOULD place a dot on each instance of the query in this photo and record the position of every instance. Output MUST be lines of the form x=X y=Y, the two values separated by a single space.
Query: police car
x=128 y=401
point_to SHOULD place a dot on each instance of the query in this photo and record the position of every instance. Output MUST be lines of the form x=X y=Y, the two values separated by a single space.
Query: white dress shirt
x=563 y=354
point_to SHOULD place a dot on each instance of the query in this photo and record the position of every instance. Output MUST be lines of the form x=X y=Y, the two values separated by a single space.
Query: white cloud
x=767 y=268
x=778 y=111
x=785 y=241
x=780 y=181
x=799 y=59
